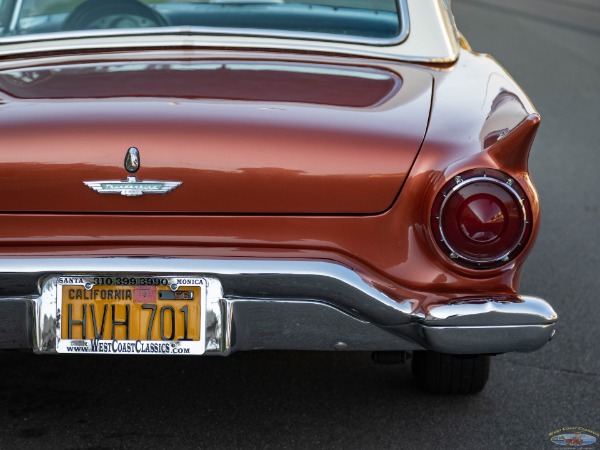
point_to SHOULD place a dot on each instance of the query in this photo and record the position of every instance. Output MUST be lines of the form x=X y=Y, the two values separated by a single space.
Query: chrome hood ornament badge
x=132 y=187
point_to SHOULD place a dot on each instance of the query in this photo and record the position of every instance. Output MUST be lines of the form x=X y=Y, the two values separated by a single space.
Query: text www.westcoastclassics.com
x=137 y=347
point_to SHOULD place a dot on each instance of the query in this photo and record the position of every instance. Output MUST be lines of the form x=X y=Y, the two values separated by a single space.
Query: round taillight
x=481 y=218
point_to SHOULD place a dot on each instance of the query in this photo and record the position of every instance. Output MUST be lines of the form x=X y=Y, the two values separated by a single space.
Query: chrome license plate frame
x=170 y=286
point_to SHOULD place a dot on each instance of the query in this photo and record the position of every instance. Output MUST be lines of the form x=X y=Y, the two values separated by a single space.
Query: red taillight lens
x=481 y=219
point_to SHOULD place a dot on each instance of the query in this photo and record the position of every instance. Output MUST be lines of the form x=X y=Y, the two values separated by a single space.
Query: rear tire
x=440 y=373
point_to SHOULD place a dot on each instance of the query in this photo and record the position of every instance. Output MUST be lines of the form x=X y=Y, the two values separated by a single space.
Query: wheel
x=440 y=373
x=104 y=14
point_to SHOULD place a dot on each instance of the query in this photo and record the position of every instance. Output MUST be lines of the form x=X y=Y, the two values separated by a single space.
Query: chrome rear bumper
x=287 y=305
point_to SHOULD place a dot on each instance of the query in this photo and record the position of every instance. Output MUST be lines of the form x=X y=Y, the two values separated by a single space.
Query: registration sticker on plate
x=131 y=315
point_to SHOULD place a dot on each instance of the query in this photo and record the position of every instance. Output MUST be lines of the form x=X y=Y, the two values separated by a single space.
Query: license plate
x=130 y=315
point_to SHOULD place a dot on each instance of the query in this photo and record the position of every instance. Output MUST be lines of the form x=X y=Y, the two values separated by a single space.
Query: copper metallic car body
x=306 y=205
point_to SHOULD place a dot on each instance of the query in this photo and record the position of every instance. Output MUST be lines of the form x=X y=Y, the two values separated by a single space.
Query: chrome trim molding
x=310 y=305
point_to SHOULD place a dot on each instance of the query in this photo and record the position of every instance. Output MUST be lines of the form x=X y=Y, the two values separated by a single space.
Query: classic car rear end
x=201 y=182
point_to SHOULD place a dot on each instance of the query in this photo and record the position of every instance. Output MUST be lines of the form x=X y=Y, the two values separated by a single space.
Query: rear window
x=363 y=20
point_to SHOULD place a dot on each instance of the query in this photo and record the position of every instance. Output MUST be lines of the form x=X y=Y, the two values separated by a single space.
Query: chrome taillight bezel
x=459 y=182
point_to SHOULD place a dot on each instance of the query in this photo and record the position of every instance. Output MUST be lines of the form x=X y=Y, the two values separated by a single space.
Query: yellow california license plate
x=130 y=315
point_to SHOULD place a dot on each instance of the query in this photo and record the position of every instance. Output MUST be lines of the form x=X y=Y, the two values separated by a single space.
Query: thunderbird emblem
x=132 y=187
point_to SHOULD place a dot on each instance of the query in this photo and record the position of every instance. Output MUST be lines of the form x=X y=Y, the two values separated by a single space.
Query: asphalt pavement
x=302 y=400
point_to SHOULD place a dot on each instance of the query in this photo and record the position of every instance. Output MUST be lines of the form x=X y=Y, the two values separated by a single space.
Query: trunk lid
x=254 y=137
